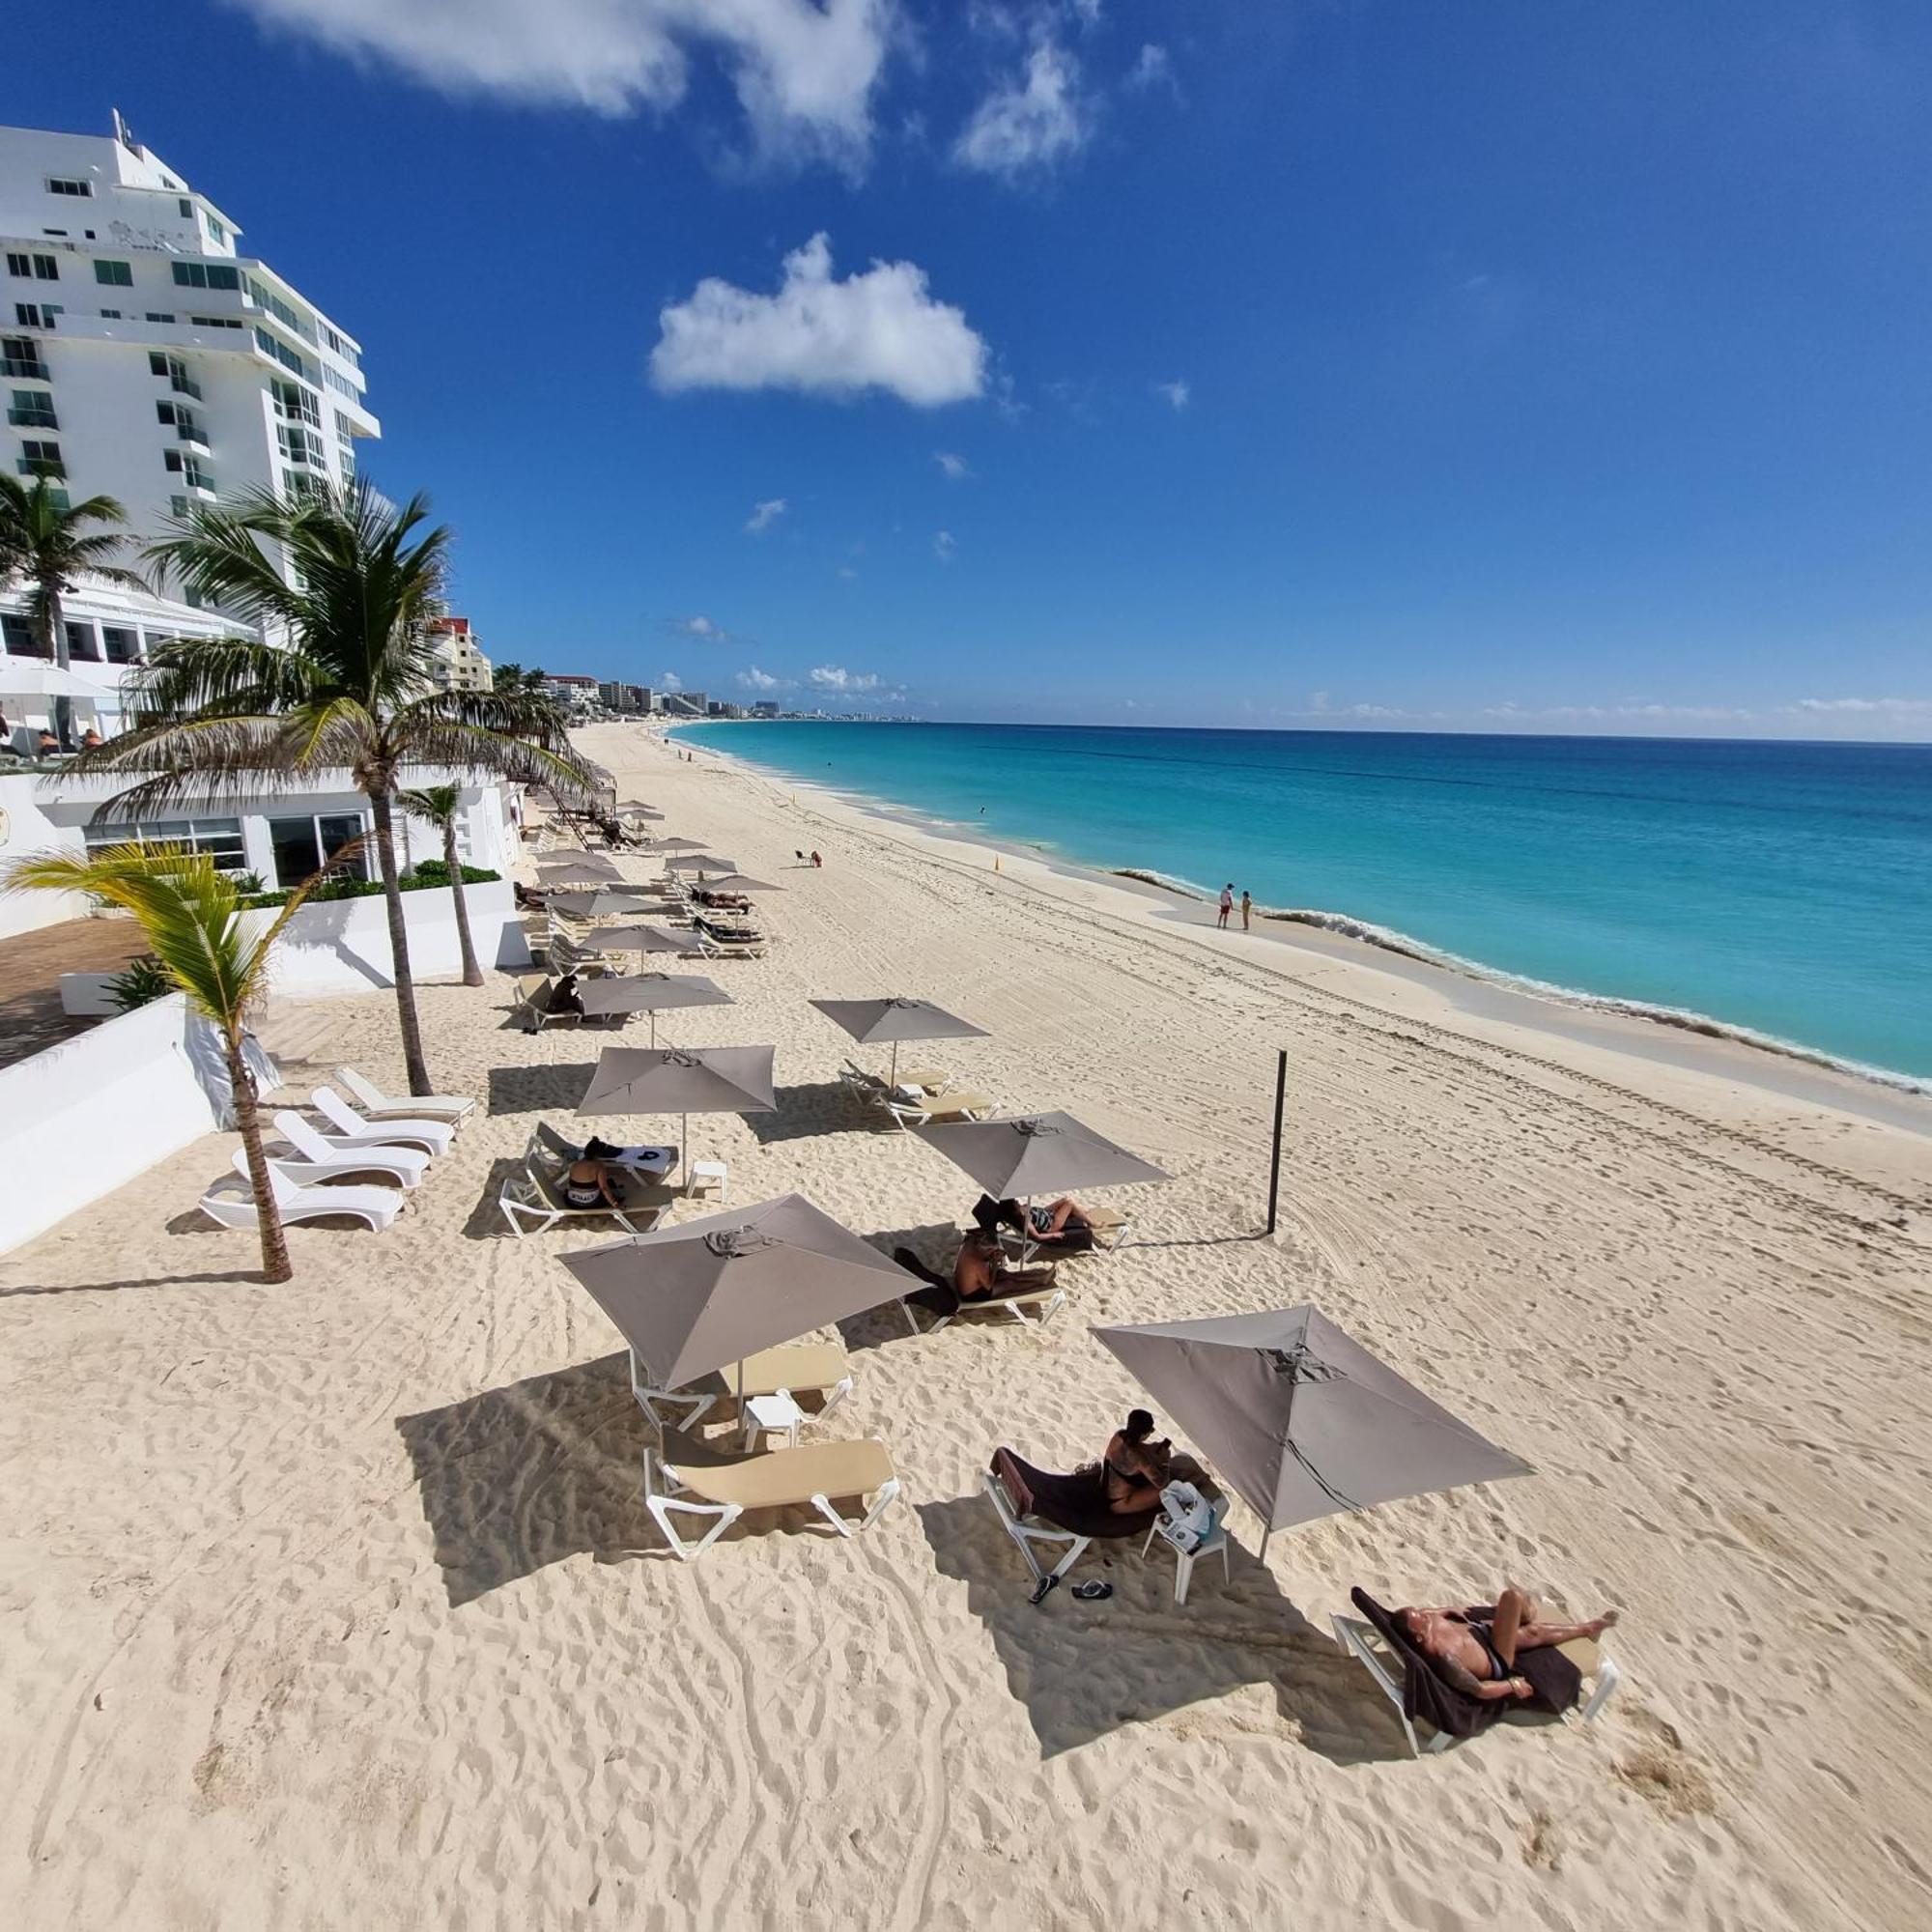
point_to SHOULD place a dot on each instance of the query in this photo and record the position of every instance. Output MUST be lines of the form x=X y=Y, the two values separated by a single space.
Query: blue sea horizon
x=1779 y=889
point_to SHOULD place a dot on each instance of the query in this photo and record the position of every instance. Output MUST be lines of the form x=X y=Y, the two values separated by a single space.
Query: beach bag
x=1187 y=1518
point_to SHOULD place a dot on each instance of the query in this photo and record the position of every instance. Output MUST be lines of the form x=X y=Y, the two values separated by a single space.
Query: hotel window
x=304 y=846
x=116 y=274
x=32 y=408
x=216 y=321
x=19 y=639
x=36 y=315
x=177 y=507
x=186 y=206
x=220 y=838
x=158 y=315
x=67 y=185
x=81 y=643
x=41 y=459
x=123 y=646
x=110 y=315
x=215 y=229
x=199 y=275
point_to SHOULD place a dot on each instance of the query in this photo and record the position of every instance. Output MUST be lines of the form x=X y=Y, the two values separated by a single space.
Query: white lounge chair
x=374 y=1102
x=532 y=1202
x=377 y=1205
x=795 y=1369
x=315 y=1160
x=352 y=1130
x=912 y=1109
x=777 y=1479
x=1363 y=1643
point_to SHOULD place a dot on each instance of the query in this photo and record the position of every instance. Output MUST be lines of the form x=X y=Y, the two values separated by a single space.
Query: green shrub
x=430 y=873
x=139 y=982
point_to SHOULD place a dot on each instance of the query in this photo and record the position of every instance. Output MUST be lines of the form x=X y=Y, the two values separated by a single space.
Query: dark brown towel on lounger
x=940 y=1297
x=1426 y=1694
x=1077 y=1503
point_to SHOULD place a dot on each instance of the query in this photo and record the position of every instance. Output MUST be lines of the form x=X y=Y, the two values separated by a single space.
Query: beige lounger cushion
x=783 y=1477
x=803 y=1365
x=940 y=1106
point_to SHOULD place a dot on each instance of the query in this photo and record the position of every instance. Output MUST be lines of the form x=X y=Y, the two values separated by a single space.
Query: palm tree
x=512 y=676
x=438 y=804
x=346 y=584
x=46 y=540
x=189 y=916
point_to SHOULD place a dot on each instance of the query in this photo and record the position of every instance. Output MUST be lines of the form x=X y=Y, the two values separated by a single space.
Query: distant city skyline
x=1505 y=369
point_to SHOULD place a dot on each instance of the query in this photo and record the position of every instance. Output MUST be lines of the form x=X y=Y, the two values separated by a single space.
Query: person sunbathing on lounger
x=981 y=1269
x=1134 y=1469
x=1056 y=1221
x=1478 y=1657
x=587 y=1183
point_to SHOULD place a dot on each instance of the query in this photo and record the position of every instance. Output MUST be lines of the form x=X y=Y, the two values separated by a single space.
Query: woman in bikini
x=1134 y=1469
x=1477 y=1657
x=587 y=1183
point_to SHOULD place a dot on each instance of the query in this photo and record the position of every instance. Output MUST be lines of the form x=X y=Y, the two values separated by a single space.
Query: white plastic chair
x=318 y=1161
x=1216 y=1544
x=776 y=1479
x=377 y=1205
x=374 y=1102
x=352 y=1130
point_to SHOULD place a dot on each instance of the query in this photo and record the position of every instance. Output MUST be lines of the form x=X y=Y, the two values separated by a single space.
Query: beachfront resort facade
x=143 y=356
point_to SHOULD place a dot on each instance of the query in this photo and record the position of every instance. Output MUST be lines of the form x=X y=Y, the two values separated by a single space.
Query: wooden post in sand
x=1274 y=1168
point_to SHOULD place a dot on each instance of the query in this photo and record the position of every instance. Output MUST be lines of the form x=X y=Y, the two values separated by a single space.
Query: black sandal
x=1094 y=1590
x=1047 y=1585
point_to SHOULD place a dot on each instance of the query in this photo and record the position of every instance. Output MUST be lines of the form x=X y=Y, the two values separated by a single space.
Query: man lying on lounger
x=981 y=1269
x=1478 y=1657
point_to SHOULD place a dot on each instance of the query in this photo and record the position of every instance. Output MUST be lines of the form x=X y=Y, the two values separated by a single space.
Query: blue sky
x=1530 y=365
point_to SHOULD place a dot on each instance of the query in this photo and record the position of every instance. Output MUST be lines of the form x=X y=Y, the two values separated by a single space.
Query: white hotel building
x=142 y=355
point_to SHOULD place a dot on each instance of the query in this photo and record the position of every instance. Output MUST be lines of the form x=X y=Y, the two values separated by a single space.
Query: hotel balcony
x=30 y=418
x=27 y=368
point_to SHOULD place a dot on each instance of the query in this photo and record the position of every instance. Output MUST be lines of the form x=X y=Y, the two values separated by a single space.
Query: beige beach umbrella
x=693 y=1299
x=879 y=1021
x=1299 y=1418
x=650 y=993
x=681 y=1080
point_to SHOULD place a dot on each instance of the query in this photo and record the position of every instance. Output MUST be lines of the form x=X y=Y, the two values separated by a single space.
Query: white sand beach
x=337 y=1605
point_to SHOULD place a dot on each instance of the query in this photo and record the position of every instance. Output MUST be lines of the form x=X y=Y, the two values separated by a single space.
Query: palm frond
x=189 y=676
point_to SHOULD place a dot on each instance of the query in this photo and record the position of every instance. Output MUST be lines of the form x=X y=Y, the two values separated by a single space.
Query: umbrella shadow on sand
x=542 y=1089
x=524 y=1476
x=1083 y=1669
x=806 y=1112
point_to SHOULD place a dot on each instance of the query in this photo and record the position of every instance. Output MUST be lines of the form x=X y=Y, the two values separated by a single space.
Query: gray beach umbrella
x=737 y=882
x=579 y=868
x=1041 y=1154
x=650 y=993
x=681 y=1080
x=695 y=1299
x=599 y=904
x=700 y=862
x=878 y=1022
x=645 y=939
x=1299 y=1418
x=672 y=845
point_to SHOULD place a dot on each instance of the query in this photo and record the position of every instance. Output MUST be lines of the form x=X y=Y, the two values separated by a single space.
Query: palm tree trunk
x=472 y=974
x=414 y=1062
x=54 y=641
x=276 y=1263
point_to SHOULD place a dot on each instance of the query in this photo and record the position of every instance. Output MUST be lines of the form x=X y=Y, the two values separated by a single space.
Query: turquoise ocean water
x=1782 y=890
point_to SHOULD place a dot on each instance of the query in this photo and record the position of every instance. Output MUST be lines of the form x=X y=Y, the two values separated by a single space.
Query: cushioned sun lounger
x=798 y=1368
x=944 y=1303
x=816 y=1474
x=1035 y=1506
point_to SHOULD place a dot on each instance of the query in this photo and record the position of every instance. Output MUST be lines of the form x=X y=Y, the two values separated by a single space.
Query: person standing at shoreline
x=1247 y=910
x=1227 y=906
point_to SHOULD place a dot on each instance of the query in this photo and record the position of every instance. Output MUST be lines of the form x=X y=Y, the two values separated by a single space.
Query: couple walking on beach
x=1228 y=906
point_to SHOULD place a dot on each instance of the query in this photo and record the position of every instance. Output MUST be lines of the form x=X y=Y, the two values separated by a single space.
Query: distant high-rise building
x=459 y=664
x=765 y=707
x=625 y=698
x=572 y=690
x=142 y=355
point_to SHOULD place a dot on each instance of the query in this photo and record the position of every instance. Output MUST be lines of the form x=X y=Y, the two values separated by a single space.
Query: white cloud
x=846 y=571
x=1885 y=707
x=1033 y=122
x=1177 y=392
x=877 y=330
x=764 y=515
x=1153 y=69
x=804 y=71
x=668 y=680
x=701 y=629
x=751 y=678
x=836 y=677
x=944 y=546
x=955 y=468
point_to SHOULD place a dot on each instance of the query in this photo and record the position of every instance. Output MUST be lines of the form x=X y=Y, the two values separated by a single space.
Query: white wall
x=29 y=829
x=342 y=946
x=82 y=1119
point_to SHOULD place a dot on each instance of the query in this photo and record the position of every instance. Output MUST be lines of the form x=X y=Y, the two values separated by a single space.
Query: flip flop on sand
x=1047 y=1585
x=1093 y=1591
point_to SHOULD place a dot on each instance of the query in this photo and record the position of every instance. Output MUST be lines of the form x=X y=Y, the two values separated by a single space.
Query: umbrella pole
x=744 y=1420
x=1267 y=1532
x=654 y=1025
x=895 y=1080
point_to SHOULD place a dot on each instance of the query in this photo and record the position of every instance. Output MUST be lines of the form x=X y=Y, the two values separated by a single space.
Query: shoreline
x=1693 y=1041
